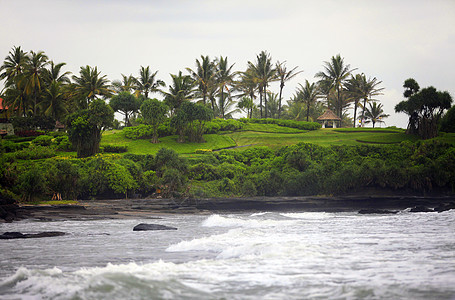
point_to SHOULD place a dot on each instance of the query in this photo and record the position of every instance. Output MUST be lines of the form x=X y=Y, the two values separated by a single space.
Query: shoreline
x=151 y=208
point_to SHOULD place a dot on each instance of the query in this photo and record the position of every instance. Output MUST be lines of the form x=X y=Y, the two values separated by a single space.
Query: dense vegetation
x=169 y=147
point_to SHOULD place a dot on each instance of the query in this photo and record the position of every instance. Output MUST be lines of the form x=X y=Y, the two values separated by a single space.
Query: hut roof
x=328 y=115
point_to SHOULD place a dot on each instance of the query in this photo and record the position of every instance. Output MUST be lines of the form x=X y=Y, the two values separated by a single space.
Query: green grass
x=213 y=141
x=270 y=135
x=270 y=128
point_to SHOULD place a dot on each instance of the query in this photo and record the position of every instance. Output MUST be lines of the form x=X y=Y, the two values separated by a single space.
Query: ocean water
x=267 y=255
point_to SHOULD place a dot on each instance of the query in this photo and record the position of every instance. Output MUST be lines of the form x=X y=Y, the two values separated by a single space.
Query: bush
x=35 y=152
x=114 y=149
x=9 y=146
x=42 y=140
x=448 y=121
x=27 y=133
x=31 y=183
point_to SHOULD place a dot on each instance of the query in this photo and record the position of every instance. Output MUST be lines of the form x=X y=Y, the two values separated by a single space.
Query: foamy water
x=240 y=256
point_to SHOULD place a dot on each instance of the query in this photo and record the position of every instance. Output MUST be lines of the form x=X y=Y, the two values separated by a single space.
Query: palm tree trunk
x=355 y=111
x=307 y=111
x=279 y=103
x=265 y=103
x=363 y=112
x=260 y=101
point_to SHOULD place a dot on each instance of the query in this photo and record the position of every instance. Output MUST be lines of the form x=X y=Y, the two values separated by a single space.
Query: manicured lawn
x=270 y=135
x=213 y=141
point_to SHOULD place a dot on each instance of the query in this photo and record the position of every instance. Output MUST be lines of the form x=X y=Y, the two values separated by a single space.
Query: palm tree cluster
x=35 y=85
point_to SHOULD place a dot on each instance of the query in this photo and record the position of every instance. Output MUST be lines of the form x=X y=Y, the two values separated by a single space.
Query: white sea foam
x=234 y=221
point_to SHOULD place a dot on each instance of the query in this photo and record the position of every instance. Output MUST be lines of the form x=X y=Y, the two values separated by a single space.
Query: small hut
x=327 y=117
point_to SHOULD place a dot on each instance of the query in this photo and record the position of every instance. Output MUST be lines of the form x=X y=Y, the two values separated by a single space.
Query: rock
x=421 y=208
x=19 y=235
x=376 y=211
x=143 y=227
x=445 y=207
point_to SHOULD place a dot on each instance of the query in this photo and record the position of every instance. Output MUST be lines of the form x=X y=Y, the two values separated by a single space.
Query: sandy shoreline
x=154 y=208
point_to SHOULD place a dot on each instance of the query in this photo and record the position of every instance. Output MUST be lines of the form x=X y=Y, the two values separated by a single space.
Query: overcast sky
x=390 y=40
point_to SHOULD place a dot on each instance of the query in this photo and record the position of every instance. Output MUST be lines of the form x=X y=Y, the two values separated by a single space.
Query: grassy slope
x=269 y=135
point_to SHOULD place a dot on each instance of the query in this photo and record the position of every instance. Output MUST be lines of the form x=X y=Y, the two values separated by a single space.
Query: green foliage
x=62 y=176
x=34 y=122
x=85 y=127
x=203 y=171
x=9 y=146
x=217 y=125
x=35 y=152
x=125 y=103
x=43 y=140
x=154 y=114
x=32 y=183
x=448 y=121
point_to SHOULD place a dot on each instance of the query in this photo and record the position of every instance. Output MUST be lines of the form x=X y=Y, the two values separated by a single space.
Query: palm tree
x=264 y=73
x=13 y=65
x=308 y=94
x=224 y=78
x=360 y=88
x=54 y=74
x=284 y=75
x=204 y=76
x=53 y=104
x=34 y=74
x=146 y=82
x=247 y=85
x=334 y=76
x=246 y=104
x=182 y=89
x=90 y=84
x=375 y=113
x=272 y=109
x=127 y=84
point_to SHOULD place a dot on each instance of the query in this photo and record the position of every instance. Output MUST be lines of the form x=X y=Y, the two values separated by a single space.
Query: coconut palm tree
x=13 y=65
x=181 y=89
x=308 y=94
x=147 y=83
x=283 y=76
x=264 y=73
x=53 y=103
x=246 y=104
x=33 y=76
x=89 y=85
x=204 y=76
x=375 y=113
x=127 y=84
x=224 y=78
x=334 y=75
x=54 y=73
x=247 y=84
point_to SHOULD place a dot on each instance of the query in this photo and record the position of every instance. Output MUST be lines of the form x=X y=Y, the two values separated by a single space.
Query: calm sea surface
x=236 y=256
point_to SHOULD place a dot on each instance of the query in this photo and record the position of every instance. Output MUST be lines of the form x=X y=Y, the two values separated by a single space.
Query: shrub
x=43 y=140
x=302 y=125
x=448 y=121
x=202 y=151
x=35 y=152
x=203 y=171
x=31 y=183
x=141 y=131
x=9 y=146
x=27 y=133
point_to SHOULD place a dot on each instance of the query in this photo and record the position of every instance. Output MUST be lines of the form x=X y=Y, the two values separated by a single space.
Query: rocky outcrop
x=376 y=211
x=8 y=209
x=20 y=235
x=144 y=227
x=421 y=208
x=445 y=207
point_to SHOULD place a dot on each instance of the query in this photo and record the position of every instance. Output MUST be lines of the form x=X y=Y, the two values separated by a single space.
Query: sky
x=391 y=40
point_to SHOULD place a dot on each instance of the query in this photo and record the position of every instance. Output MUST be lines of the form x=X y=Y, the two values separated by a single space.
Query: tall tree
x=13 y=65
x=224 y=78
x=204 y=76
x=127 y=84
x=126 y=103
x=89 y=85
x=359 y=88
x=54 y=101
x=425 y=109
x=34 y=74
x=181 y=90
x=335 y=74
x=147 y=83
x=284 y=76
x=308 y=94
x=264 y=73
x=246 y=104
x=154 y=113
x=54 y=73
x=374 y=113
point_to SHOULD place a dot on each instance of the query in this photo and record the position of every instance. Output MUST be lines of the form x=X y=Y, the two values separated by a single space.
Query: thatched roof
x=328 y=115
